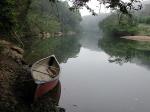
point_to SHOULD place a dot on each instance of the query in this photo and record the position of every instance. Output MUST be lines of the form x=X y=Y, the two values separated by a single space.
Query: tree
x=120 y=5
x=11 y=13
x=52 y=17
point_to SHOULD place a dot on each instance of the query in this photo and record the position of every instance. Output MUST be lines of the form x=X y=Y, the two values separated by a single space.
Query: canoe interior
x=45 y=70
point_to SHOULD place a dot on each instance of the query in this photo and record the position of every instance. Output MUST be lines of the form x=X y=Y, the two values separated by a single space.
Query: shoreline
x=14 y=93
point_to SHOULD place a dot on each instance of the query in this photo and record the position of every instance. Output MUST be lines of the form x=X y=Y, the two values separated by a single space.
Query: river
x=99 y=74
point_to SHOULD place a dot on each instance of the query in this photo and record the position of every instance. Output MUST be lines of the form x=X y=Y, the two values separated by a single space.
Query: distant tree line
x=116 y=26
x=23 y=18
x=125 y=25
x=120 y=5
x=53 y=17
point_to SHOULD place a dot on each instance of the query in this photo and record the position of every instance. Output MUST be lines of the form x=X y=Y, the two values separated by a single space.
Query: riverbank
x=137 y=38
x=13 y=92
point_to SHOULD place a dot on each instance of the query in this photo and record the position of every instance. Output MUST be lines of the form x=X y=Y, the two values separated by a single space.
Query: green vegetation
x=20 y=23
x=144 y=29
x=123 y=51
x=13 y=17
x=45 y=16
x=63 y=48
x=125 y=26
x=145 y=19
x=21 y=19
x=123 y=6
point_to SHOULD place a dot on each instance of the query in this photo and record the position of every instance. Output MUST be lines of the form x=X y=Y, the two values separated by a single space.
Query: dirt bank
x=13 y=74
x=138 y=38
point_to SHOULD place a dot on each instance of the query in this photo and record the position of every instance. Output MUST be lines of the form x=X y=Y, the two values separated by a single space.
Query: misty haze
x=74 y=56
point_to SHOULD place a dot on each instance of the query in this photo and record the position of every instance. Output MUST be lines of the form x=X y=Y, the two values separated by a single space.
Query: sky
x=94 y=4
x=96 y=7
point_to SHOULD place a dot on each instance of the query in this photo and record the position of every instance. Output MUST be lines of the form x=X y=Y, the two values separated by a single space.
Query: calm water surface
x=100 y=75
x=90 y=83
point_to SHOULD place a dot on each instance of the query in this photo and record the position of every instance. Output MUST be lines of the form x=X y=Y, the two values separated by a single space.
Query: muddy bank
x=14 y=92
x=137 y=38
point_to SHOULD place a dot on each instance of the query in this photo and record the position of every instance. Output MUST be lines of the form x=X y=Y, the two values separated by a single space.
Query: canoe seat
x=51 y=72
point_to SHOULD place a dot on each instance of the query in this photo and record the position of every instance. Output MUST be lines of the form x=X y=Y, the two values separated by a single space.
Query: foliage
x=119 y=27
x=21 y=18
x=50 y=17
x=69 y=20
x=13 y=13
x=120 y=5
x=43 y=23
x=123 y=25
x=144 y=19
x=122 y=51
x=144 y=29
x=63 y=48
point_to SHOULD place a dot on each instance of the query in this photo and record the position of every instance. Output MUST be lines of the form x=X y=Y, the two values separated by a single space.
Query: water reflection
x=24 y=94
x=90 y=82
x=53 y=95
x=122 y=51
x=62 y=47
x=90 y=40
x=49 y=102
x=25 y=90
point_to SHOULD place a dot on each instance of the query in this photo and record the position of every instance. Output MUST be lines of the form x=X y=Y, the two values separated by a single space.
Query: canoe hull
x=44 y=88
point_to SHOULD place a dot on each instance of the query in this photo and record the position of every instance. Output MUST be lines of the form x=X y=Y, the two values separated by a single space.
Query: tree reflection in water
x=62 y=47
x=25 y=97
x=122 y=51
